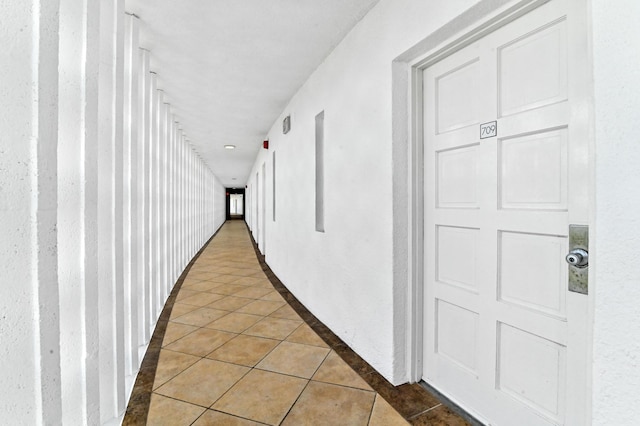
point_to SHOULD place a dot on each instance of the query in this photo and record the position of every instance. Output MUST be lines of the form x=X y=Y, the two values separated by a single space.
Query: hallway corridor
x=235 y=353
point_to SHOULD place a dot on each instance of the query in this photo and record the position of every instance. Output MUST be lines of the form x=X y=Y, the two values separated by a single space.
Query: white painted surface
x=616 y=340
x=109 y=83
x=344 y=276
x=29 y=315
x=218 y=95
x=358 y=299
x=76 y=213
x=508 y=197
x=75 y=189
x=345 y=293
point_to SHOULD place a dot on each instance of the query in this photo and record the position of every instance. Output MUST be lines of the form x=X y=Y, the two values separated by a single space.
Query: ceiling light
x=229 y=147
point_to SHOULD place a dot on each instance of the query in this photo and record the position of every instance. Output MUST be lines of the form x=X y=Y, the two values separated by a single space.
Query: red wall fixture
x=265 y=144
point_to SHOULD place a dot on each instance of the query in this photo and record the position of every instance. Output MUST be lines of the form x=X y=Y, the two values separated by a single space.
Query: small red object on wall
x=265 y=144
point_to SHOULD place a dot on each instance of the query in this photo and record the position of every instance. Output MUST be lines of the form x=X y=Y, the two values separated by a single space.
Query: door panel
x=457 y=97
x=542 y=154
x=541 y=56
x=503 y=337
x=531 y=370
x=523 y=282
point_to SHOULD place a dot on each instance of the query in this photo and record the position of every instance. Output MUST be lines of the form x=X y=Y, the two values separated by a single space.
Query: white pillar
x=119 y=217
x=132 y=281
x=91 y=224
x=164 y=278
x=145 y=190
x=110 y=210
x=174 y=201
x=77 y=211
x=169 y=201
x=29 y=323
x=153 y=200
x=155 y=205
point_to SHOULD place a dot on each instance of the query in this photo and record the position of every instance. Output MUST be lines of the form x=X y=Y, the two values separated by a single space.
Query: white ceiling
x=229 y=67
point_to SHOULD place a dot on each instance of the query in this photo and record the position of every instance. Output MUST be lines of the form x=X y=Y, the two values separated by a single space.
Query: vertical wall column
x=131 y=189
x=154 y=184
x=91 y=331
x=110 y=275
x=146 y=102
x=171 y=278
x=29 y=324
x=77 y=228
x=164 y=224
x=104 y=203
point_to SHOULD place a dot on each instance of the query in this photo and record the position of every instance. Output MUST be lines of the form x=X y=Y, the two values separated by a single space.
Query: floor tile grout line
x=375 y=398
x=345 y=386
x=228 y=414
x=177 y=374
x=180 y=400
x=415 y=416
x=295 y=402
x=293 y=375
x=168 y=343
x=229 y=389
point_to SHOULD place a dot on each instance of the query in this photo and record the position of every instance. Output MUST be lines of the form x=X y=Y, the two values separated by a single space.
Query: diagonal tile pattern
x=236 y=353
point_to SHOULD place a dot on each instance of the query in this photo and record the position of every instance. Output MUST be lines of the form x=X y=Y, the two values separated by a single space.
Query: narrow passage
x=235 y=353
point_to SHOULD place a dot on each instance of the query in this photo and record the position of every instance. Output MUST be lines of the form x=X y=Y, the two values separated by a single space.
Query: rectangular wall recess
x=320 y=172
x=273 y=184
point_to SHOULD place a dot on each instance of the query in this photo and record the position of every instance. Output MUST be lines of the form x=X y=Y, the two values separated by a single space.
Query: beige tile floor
x=235 y=353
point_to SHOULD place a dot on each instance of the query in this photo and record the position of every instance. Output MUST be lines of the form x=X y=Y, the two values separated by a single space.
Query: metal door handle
x=578 y=258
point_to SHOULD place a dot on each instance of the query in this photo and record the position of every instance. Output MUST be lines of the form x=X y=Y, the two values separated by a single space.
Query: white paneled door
x=506 y=172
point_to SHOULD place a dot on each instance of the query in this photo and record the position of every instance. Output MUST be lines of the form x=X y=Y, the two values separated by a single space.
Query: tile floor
x=234 y=352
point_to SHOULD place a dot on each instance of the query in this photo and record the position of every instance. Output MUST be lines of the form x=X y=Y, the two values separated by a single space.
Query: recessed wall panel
x=532 y=370
x=533 y=171
x=532 y=271
x=457 y=98
x=457 y=334
x=532 y=70
x=457 y=256
x=456 y=175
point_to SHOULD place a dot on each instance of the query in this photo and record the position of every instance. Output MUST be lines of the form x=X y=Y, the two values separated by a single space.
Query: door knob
x=578 y=258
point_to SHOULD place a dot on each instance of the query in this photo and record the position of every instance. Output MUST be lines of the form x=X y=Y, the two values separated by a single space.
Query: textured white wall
x=29 y=315
x=103 y=203
x=616 y=65
x=345 y=275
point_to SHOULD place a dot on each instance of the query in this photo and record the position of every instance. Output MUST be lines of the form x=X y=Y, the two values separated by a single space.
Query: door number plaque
x=489 y=130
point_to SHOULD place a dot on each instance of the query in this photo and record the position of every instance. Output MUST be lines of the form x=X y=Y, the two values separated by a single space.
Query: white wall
x=345 y=275
x=29 y=314
x=103 y=203
x=616 y=68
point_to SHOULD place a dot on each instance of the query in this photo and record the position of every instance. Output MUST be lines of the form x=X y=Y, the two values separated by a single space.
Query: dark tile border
x=138 y=407
x=414 y=402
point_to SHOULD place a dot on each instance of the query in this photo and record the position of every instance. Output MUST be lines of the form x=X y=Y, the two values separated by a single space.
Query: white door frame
x=485 y=17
